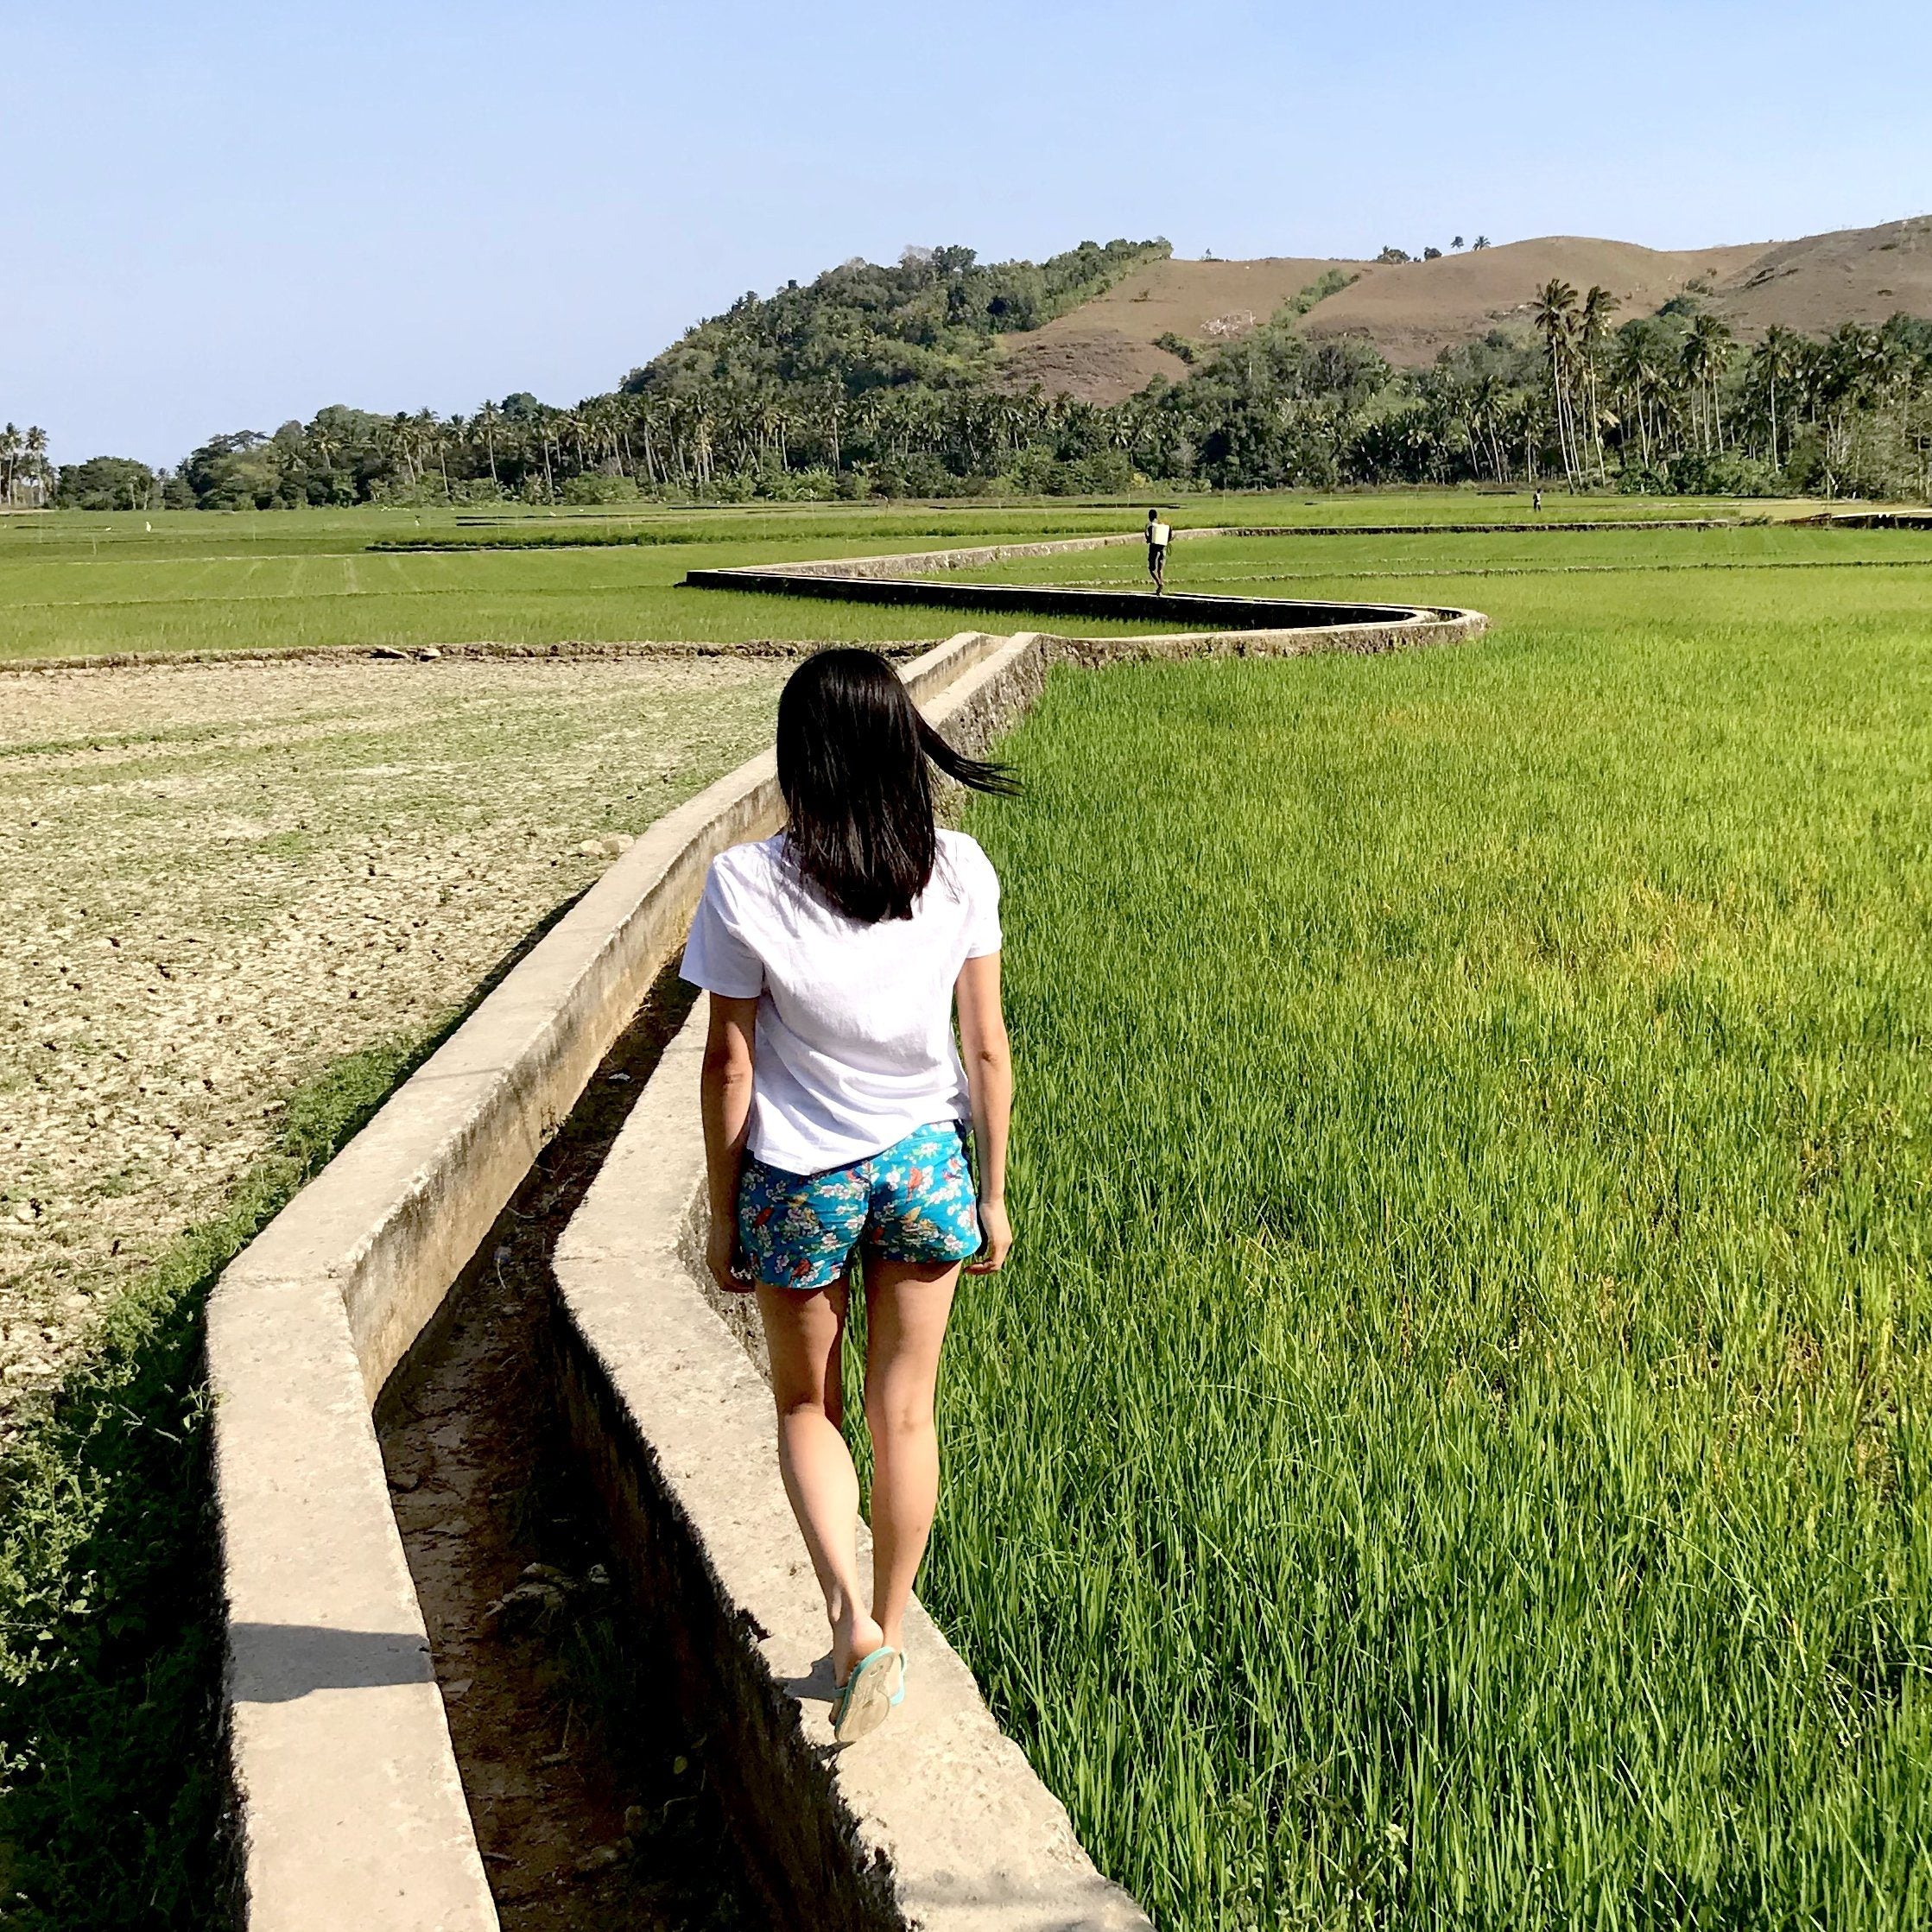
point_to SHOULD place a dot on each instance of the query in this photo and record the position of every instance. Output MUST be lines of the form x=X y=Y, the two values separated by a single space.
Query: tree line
x=1673 y=399
x=27 y=479
x=886 y=380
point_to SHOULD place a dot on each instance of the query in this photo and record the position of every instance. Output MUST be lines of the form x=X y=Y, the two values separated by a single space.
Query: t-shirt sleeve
x=717 y=955
x=982 y=894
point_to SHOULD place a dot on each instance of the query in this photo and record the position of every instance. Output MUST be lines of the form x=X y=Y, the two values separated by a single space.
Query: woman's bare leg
x=803 y=1334
x=907 y=1304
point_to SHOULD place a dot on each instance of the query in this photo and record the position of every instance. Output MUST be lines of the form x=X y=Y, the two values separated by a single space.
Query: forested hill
x=926 y=378
x=930 y=317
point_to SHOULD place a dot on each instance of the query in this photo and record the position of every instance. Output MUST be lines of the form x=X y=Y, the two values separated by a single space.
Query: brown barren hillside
x=1105 y=350
x=1857 y=274
x=1411 y=311
x=1414 y=310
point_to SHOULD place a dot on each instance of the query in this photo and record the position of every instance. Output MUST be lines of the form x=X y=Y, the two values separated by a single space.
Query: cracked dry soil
x=215 y=879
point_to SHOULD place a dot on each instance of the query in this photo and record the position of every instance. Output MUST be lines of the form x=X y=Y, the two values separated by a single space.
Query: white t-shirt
x=854 y=1043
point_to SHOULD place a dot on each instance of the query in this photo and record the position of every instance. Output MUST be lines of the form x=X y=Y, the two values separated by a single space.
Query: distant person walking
x=1536 y=503
x=839 y=1116
x=1159 y=536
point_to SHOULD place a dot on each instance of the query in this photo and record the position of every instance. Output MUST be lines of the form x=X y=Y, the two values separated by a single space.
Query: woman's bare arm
x=988 y=1071
x=725 y=1092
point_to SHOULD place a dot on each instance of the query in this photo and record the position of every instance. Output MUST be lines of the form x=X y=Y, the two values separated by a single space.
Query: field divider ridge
x=571 y=650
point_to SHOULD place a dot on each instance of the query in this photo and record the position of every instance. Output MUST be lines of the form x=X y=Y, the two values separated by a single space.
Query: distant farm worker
x=1535 y=502
x=1159 y=536
x=843 y=1124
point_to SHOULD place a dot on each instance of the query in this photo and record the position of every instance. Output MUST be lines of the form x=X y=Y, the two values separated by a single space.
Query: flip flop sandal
x=864 y=1702
x=898 y=1697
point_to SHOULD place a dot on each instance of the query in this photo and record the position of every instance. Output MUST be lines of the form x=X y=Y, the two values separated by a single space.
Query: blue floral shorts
x=913 y=1201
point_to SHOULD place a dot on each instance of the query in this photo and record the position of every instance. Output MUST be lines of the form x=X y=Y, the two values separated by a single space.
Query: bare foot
x=853 y=1639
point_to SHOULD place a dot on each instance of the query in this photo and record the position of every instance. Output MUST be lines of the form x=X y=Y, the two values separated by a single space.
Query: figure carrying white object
x=1159 y=536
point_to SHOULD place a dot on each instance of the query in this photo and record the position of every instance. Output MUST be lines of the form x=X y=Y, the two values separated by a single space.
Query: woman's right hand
x=996 y=1232
x=721 y=1257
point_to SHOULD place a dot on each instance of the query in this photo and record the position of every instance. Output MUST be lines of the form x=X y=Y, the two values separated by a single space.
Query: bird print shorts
x=913 y=1201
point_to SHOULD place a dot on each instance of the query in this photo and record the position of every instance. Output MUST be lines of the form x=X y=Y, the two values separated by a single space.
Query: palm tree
x=432 y=440
x=604 y=418
x=773 y=423
x=569 y=425
x=1772 y=361
x=1849 y=368
x=1661 y=398
x=1593 y=328
x=1630 y=370
x=702 y=420
x=39 y=472
x=327 y=445
x=831 y=422
x=546 y=431
x=1555 y=319
x=649 y=417
x=1483 y=411
x=489 y=420
x=1706 y=350
x=397 y=437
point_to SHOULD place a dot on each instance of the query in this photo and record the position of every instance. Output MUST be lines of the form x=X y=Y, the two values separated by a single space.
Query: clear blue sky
x=218 y=217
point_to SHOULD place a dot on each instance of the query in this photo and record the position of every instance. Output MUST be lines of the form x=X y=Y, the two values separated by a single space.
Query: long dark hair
x=854 y=763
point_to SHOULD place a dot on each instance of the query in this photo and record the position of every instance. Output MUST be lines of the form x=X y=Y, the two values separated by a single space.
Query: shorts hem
x=926 y=1259
x=951 y=1258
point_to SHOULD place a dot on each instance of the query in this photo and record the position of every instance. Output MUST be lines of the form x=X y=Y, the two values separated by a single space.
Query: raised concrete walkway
x=882 y=579
x=347 y=1798
x=937 y=1820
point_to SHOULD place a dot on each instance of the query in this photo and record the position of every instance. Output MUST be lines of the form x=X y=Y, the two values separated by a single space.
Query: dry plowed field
x=219 y=878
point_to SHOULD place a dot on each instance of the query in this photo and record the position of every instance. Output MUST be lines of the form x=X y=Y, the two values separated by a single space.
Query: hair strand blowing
x=855 y=764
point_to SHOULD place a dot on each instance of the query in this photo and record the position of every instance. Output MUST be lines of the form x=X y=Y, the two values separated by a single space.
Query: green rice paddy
x=74 y=584
x=1455 y=1447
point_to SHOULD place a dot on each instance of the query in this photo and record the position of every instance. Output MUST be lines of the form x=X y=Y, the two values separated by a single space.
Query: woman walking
x=837 y=1116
